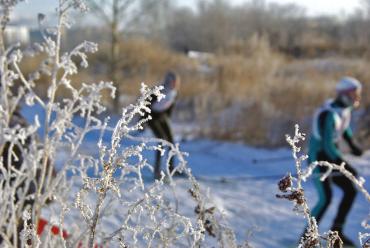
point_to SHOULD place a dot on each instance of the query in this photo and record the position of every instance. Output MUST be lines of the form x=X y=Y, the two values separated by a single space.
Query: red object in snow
x=54 y=229
x=42 y=223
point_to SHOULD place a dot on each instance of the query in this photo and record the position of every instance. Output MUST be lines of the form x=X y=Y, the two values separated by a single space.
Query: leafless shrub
x=89 y=188
x=312 y=238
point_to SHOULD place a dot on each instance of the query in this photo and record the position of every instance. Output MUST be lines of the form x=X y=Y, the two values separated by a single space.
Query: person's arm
x=165 y=103
x=170 y=110
x=348 y=137
x=328 y=137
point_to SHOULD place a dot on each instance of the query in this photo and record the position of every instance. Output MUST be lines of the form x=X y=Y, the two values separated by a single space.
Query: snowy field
x=243 y=186
x=246 y=190
x=242 y=182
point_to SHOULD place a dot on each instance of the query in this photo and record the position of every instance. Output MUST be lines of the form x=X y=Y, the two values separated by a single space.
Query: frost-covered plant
x=213 y=226
x=27 y=176
x=96 y=181
x=359 y=182
x=296 y=193
x=312 y=237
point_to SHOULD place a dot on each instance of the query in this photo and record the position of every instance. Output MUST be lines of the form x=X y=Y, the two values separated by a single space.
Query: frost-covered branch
x=293 y=191
x=51 y=166
x=359 y=182
x=334 y=168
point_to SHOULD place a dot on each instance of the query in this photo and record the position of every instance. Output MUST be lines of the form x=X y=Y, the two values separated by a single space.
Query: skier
x=161 y=113
x=331 y=123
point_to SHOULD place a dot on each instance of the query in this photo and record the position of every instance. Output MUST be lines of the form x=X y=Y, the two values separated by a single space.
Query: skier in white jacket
x=161 y=113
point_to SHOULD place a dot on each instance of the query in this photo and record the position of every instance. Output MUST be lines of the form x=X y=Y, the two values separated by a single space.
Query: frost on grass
x=293 y=191
x=90 y=189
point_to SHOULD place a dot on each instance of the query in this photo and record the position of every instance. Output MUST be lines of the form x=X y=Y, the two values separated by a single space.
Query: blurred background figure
x=331 y=123
x=161 y=114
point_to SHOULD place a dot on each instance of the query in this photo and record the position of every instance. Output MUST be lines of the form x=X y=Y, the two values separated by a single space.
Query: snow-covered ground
x=242 y=182
x=245 y=187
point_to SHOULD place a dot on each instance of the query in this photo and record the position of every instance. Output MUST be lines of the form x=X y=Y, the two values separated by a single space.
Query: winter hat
x=170 y=81
x=348 y=84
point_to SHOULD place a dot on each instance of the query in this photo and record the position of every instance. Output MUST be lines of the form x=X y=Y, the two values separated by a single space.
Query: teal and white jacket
x=331 y=123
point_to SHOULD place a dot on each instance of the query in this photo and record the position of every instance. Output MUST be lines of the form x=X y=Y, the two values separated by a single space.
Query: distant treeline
x=218 y=26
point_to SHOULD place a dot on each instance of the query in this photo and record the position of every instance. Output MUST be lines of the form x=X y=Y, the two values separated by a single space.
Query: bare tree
x=207 y=29
x=116 y=16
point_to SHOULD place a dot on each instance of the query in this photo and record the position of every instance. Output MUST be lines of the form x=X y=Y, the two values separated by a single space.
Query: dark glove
x=355 y=148
x=170 y=110
x=357 y=151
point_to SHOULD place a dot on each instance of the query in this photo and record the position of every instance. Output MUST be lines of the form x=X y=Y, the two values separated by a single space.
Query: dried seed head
x=311 y=242
x=197 y=209
x=296 y=195
x=210 y=210
x=285 y=183
x=106 y=166
x=209 y=228
x=192 y=193
x=334 y=240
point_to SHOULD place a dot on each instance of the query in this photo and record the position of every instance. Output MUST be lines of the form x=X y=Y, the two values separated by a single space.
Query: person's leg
x=323 y=189
x=165 y=124
x=349 y=194
x=156 y=127
x=325 y=195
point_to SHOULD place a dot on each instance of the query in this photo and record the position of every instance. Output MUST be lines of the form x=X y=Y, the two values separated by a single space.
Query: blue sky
x=314 y=7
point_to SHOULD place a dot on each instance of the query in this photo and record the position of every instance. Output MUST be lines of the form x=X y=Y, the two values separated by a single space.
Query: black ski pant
x=325 y=193
x=160 y=125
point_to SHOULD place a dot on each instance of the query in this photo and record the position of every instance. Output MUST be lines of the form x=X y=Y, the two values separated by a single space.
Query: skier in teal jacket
x=331 y=123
